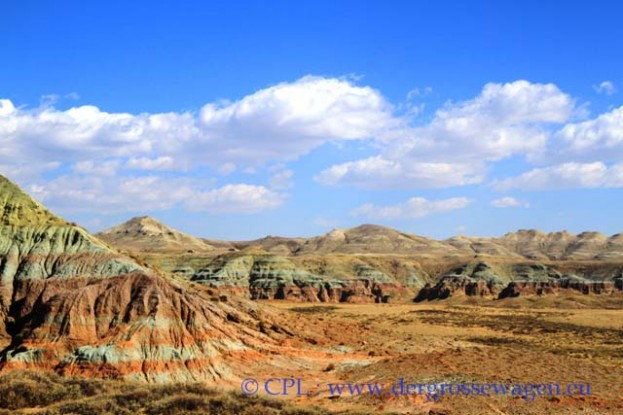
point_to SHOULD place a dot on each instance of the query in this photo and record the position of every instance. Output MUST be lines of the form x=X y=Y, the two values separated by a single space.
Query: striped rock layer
x=72 y=304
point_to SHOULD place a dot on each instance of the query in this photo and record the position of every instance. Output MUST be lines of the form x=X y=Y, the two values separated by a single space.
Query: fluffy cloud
x=280 y=123
x=287 y=120
x=587 y=154
x=416 y=207
x=236 y=198
x=86 y=133
x=566 y=176
x=108 y=153
x=509 y=202
x=455 y=147
x=600 y=138
x=107 y=194
x=505 y=119
x=97 y=156
x=281 y=178
x=379 y=173
x=6 y=107
x=605 y=87
x=106 y=168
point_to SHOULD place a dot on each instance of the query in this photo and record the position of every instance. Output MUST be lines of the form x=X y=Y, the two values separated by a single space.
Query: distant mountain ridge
x=146 y=234
x=372 y=263
x=534 y=244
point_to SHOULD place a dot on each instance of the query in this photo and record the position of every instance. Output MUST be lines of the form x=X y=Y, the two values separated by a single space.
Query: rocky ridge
x=519 y=279
x=371 y=263
x=145 y=234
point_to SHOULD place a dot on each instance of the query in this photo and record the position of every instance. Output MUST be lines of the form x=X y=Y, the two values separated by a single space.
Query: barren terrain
x=513 y=342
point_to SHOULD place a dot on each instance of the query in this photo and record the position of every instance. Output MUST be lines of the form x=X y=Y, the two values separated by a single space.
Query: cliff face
x=269 y=276
x=484 y=280
x=72 y=304
x=471 y=279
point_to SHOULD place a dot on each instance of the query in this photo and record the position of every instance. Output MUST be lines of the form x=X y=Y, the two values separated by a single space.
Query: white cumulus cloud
x=146 y=163
x=236 y=198
x=106 y=153
x=600 y=138
x=287 y=120
x=509 y=202
x=380 y=173
x=278 y=123
x=455 y=146
x=566 y=176
x=281 y=178
x=86 y=153
x=110 y=194
x=416 y=207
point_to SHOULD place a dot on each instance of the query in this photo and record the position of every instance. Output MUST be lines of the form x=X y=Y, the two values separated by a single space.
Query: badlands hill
x=371 y=263
x=534 y=244
x=275 y=244
x=374 y=239
x=146 y=234
x=72 y=304
x=527 y=244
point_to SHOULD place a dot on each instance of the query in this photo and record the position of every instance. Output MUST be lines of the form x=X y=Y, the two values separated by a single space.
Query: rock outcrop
x=269 y=276
x=558 y=286
x=472 y=280
x=484 y=280
x=72 y=304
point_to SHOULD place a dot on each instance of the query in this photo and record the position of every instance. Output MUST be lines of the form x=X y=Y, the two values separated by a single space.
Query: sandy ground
x=458 y=343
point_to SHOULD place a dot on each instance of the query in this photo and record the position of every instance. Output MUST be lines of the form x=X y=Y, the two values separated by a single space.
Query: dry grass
x=28 y=392
x=319 y=309
x=455 y=341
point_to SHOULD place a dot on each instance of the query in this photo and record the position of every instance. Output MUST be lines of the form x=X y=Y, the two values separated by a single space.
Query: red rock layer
x=135 y=325
x=353 y=291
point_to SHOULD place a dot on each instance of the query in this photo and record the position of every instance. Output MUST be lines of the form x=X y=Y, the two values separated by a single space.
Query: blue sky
x=241 y=119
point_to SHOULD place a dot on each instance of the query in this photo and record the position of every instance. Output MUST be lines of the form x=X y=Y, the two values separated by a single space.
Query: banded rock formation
x=484 y=280
x=72 y=304
x=471 y=279
x=269 y=276
x=344 y=265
